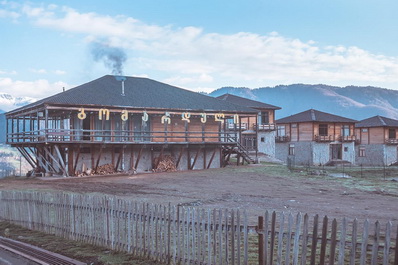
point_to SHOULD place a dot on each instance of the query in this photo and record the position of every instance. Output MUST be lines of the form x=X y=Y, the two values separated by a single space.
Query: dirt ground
x=256 y=188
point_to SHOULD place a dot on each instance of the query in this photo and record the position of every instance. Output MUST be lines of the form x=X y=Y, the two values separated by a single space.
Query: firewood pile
x=166 y=164
x=106 y=169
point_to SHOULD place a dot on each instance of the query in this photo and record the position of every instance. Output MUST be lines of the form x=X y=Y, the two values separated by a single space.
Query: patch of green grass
x=80 y=251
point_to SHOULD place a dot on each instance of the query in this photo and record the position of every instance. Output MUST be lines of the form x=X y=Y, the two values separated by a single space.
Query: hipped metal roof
x=247 y=102
x=312 y=115
x=140 y=93
x=377 y=121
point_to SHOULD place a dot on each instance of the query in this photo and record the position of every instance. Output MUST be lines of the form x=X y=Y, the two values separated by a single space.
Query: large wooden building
x=257 y=132
x=128 y=122
x=377 y=141
x=313 y=137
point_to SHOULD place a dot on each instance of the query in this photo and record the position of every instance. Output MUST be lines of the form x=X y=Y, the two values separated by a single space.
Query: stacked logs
x=106 y=169
x=166 y=164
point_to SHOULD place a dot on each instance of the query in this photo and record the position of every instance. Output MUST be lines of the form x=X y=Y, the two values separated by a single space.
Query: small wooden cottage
x=313 y=137
x=378 y=141
x=130 y=123
x=256 y=131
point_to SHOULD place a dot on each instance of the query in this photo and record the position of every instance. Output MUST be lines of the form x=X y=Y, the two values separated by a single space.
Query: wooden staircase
x=239 y=151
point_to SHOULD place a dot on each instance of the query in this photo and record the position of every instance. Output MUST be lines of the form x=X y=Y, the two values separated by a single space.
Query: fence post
x=260 y=231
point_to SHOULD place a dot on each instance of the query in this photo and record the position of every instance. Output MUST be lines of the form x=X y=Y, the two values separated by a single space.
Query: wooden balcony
x=243 y=126
x=282 y=139
x=265 y=127
x=324 y=138
x=348 y=138
x=391 y=141
x=108 y=136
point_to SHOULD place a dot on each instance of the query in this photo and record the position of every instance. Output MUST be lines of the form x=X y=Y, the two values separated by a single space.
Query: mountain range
x=351 y=101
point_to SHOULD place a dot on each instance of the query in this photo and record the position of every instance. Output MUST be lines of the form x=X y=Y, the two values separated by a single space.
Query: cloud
x=59 y=72
x=37 y=89
x=192 y=57
x=38 y=71
x=2 y=72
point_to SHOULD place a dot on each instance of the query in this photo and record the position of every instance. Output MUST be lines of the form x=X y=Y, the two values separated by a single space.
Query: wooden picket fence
x=186 y=235
x=169 y=234
x=287 y=239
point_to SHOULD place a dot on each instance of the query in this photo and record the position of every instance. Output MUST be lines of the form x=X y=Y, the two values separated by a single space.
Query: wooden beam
x=99 y=158
x=53 y=158
x=132 y=157
x=61 y=160
x=204 y=158
x=211 y=158
x=196 y=157
x=179 y=156
x=76 y=160
x=23 y=153
x=138 y=157
x=159 y=157
x=119 y=158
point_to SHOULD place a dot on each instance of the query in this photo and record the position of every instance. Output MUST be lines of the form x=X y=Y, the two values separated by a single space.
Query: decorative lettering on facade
x=219 y=116
x=103 y=112
x=125 y=115
x=204 y=117
x=166 y=118
x=186 y=117
x=145 y=116
x=81 y=115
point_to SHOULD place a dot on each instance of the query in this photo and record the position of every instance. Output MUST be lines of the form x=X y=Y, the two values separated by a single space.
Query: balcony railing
x=348 y=138
x=282 y=139
x=86 y=136
x=324 y=138
x=391 y=141
x=243 y=126
x=265 y=127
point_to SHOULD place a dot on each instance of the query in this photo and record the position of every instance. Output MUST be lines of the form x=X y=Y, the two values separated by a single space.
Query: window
x=281 y=130
x=391 y=134
x=294 y=125
x=264 y=117
x=291 y=149
x=345 y=149
x=323 y=129
x=362 y=152
x=365 y=130
x=262 y=139
x=345 y=130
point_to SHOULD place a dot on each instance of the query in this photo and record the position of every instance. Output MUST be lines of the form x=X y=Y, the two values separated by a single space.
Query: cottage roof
x=377 y=121
x=247 y=102
x=139 y=93
x=312 y=115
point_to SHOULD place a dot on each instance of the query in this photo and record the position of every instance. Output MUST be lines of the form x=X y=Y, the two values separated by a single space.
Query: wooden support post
x=204 y=158
x=27 y=158
x=211 y=158
x=76 y=160
x=179 y=156
x=61 y=160
x=119 y=158
x=196 y=158
x=189 y=158
x=256 y=139
x=98 y=159
x=138 y=157
x=260 y=231
x=52 y=157
x=132 y=157
x=159 y=157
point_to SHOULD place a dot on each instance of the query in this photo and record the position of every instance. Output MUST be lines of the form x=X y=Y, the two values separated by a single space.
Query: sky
x=200 y=45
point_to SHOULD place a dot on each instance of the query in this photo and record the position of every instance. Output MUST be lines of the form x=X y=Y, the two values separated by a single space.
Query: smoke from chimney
x=112 y=57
